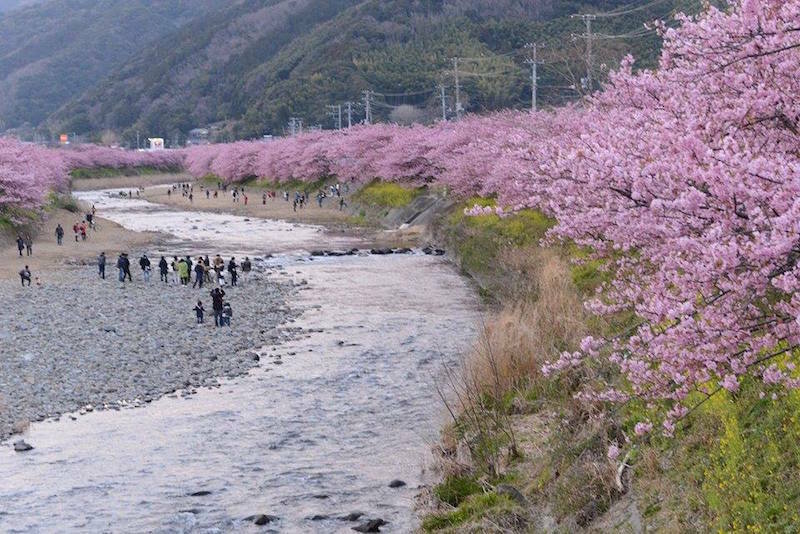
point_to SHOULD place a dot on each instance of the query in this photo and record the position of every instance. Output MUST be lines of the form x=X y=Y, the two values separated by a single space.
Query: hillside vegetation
x=51 y=52
x=246 y=67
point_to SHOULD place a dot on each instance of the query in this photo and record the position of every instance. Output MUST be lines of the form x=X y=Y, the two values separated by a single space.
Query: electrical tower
x=444 y=102
x=336 y=113
x=295 y=126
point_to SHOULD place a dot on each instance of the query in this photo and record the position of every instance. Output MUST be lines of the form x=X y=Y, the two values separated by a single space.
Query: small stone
x=352 y=516
x=201 y=493
x=319 y=517
x=22 y=446
x=513 y=493
x=322 y=496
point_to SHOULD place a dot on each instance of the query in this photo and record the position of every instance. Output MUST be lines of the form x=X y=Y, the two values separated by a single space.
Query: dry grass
x=546 y=319
x=114 y=182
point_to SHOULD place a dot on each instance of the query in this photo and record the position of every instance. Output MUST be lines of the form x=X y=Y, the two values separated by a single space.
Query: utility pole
x=533 y=61
x=444 y=103
x=349 y=114
x=587 y=19
x=368 y=107
x=458 y=88
x=336 y=114
x=295 y=126
x=137 y=139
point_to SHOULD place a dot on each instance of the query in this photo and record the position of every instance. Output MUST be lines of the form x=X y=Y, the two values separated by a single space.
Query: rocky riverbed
x=83 y=343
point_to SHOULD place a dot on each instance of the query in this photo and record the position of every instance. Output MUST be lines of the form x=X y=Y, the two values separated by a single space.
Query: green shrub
x=473 y=508
x=386 y=195
x=453 y=490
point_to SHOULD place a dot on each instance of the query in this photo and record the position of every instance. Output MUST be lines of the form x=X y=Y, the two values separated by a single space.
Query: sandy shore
x=48 y=258
x=329 y=215
x=115 y=182
x=273 y=209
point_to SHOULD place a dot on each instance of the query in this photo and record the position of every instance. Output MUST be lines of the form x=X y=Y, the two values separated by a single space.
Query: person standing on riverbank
x=174 y=267
x=217 y=295
x=232 y=270
x=75 y=230
x=183 y=272
x=199 y=273
x=20 y=245
x=101 y=265
x=144 y=263
x=126 y=267
x=28 y=245
x=199 y=311
x=227 y=313
x=246 y=268
x=163 y=270
x=59 y=235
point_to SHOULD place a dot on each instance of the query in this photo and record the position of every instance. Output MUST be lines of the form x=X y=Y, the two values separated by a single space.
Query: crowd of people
x=179 y=271
x=238 y=194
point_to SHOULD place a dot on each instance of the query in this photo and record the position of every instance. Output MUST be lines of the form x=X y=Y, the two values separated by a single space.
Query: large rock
x=262 y=519
x=373 y=525
x=22 y=446
x=396 y=483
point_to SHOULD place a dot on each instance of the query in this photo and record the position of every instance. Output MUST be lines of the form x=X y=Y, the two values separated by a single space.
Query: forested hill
x=250 y=66
x=52 y=51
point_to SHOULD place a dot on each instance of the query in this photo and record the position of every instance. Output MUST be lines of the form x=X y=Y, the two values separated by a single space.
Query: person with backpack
x=217 y=294
x=59 y=234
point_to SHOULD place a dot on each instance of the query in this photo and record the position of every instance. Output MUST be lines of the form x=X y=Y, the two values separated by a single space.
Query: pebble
x=103 y=346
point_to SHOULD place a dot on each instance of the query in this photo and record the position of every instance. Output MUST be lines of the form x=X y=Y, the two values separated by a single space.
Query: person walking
x=59 y=234
x=163 y=270
x=83 y=231
x=126 y=267
x=217 y=294
x=101 y=266
x=199 y=311
x=232 y=270
x=28 y=245
x=219 y=265
x=246 y=268
x=25 y=276
x=144 y=263
x=76 y=229
x=199 y=273
x=20 y=245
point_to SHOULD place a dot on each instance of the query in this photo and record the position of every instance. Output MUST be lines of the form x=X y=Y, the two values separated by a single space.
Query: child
x=227 y=313
x=199 y=310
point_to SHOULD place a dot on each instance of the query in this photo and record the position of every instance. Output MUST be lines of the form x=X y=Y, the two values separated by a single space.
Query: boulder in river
x=262 y=519
x=381 y=251
x=22 y=446
x=352 y=516
x=396 y=483
x=373 y=525
x=201 y=493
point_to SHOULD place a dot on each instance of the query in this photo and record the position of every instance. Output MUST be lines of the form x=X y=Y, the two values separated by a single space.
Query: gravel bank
x=83 y=341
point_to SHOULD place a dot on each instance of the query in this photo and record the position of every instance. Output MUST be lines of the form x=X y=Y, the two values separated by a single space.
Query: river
x=319 y=429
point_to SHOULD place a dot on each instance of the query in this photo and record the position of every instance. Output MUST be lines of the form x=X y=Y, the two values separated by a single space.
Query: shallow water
x=350 y=408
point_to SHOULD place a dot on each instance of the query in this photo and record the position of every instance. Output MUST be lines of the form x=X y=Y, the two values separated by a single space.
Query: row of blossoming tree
x=685 y=181
x=29 y=172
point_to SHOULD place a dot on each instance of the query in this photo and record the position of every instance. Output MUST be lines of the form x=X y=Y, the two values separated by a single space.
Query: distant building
x=156 y=143
x=198 y=136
